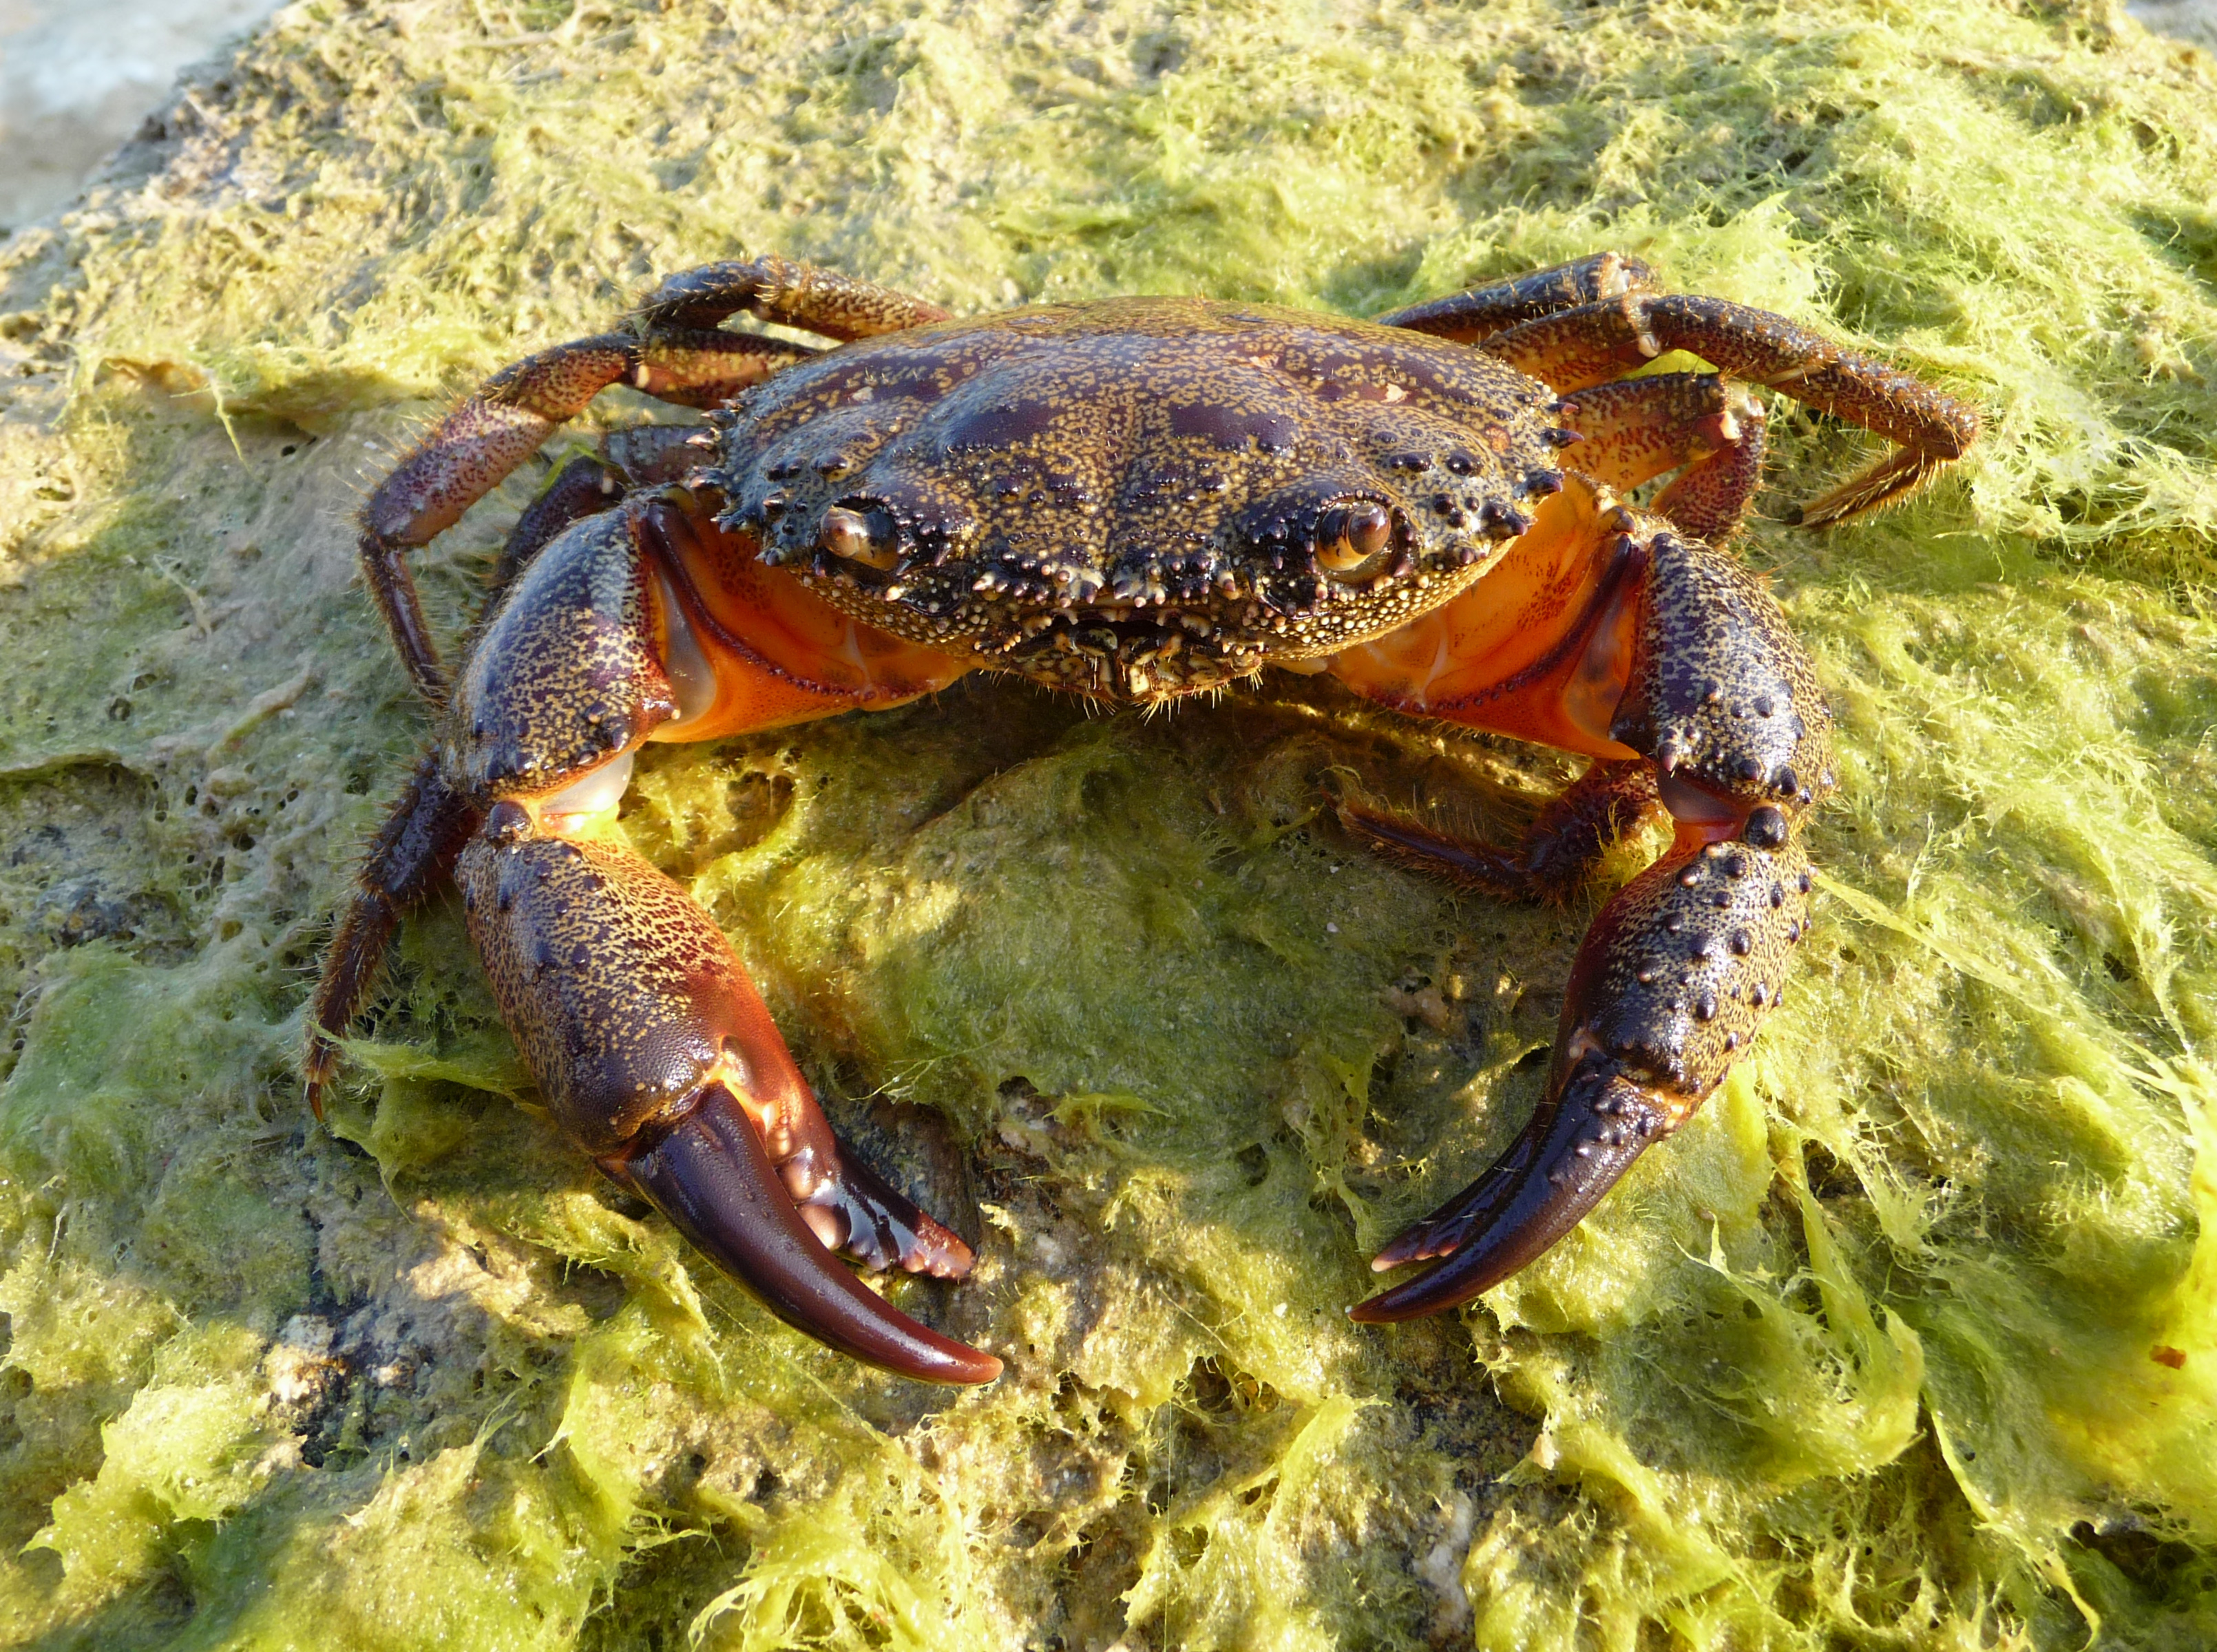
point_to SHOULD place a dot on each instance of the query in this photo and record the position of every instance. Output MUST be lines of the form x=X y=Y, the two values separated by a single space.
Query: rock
x=1870 y=1344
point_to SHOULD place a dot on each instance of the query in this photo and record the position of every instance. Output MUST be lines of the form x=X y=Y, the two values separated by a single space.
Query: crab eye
x=1349 y=538
x=866 y=537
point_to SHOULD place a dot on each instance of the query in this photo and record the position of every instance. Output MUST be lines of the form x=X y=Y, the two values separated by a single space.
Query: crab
x=1132 y=499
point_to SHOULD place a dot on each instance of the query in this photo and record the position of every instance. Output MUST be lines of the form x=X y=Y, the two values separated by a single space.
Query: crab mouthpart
x=1145 y=658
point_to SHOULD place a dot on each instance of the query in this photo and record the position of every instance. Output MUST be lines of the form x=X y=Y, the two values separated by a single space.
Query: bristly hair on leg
x=1892 y=481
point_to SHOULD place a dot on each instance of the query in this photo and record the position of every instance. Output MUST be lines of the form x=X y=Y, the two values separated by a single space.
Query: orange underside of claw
x=1539 y=648
x=780 y=654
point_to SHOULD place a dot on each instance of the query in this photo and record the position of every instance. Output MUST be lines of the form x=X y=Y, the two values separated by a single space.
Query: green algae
x=1905 y=1342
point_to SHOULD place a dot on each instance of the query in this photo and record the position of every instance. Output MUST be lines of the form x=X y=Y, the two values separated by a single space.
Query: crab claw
x=656 y=1054
x=1573 y=1151
x=1669 y=984
x=709 y=1172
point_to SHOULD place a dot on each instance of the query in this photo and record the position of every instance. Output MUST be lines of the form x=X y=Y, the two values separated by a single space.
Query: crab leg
x=1667 y=656
x=1470 y=318
x=674 y=352
x=584 y=487
x=472 y=449
x=416 y=848
x=1556 y=853
x=824 y=301
x=1577 y=349
x=1637 y=429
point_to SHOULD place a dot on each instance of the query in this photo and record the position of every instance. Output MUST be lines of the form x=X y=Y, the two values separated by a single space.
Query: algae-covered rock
x=1907 y=1342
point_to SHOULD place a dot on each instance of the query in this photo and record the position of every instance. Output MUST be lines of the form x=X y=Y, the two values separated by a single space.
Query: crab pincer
x=1686 y=960
x=649 y=1044
x=1669 y=984
x=655 y=1054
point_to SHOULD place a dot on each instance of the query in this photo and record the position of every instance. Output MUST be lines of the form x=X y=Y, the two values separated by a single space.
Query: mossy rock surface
x=1907 y=1342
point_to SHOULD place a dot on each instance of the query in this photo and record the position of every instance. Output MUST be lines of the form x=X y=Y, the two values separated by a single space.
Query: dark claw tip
x=711 y=1176
x=321 y=1062
x=1574 y=1150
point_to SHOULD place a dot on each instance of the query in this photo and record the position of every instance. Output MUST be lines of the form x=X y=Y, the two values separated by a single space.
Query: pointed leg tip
x=1415 y=846
x=316 y=1076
